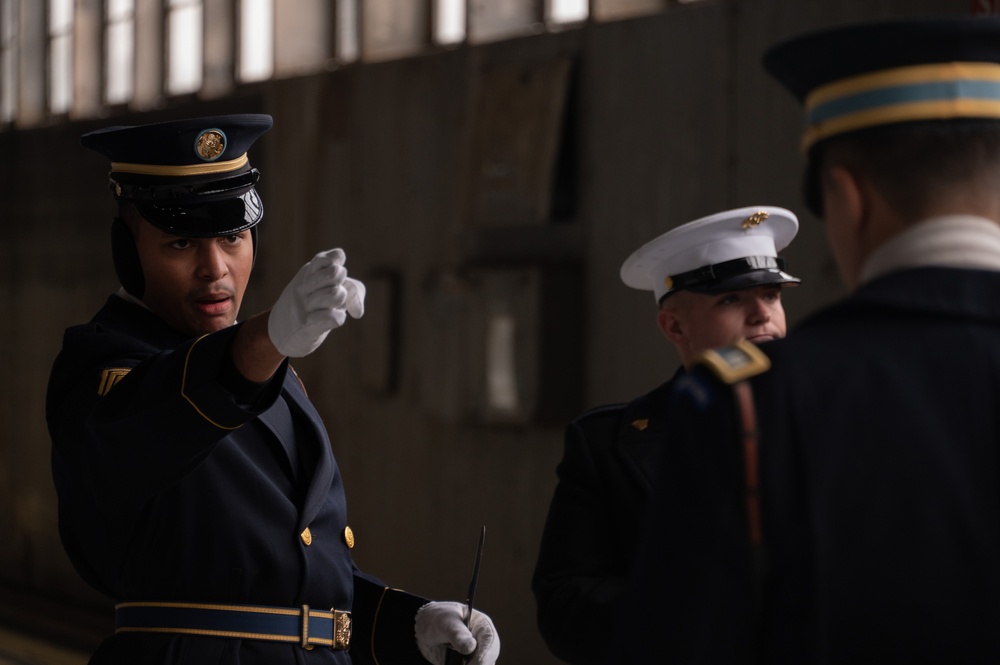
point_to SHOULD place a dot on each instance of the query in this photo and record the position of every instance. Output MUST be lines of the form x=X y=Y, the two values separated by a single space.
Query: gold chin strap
x=183 y=170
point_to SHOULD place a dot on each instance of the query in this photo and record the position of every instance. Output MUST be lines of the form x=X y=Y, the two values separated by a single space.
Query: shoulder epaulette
x=602 y=411
x=732 y=364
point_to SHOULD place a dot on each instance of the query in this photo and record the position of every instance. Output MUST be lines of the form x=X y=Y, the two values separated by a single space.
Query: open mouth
x=214 y=306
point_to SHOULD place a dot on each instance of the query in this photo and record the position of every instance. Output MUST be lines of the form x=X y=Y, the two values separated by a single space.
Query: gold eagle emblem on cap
x=210 y=144
x=754 y=219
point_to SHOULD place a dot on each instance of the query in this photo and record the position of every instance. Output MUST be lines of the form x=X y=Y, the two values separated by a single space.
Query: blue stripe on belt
x=302 y=625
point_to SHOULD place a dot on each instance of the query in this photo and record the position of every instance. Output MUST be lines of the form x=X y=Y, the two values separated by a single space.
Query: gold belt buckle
x=341 y=629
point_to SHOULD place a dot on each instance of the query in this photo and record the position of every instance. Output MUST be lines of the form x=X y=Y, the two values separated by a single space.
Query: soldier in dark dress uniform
x=197 y=487
x=843 y=505
x=716 y=279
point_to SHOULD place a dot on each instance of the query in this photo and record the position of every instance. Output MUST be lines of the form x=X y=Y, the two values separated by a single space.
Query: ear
x=671 y=326
x=845 y=198
x=125 y=257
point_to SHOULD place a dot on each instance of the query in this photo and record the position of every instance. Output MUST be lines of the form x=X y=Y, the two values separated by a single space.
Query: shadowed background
x=487 y=194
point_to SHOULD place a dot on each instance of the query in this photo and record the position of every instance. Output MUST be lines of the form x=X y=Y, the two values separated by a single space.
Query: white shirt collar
x=952 y=241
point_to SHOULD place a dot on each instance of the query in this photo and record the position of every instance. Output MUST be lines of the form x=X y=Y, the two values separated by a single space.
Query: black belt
x=307 y=627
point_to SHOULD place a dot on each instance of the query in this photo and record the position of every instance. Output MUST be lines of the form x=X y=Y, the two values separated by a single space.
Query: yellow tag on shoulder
x=735 y=363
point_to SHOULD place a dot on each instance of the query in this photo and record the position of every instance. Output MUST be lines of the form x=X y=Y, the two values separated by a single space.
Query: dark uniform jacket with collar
x=605 y=479
x=879 y=465
x=170 y=489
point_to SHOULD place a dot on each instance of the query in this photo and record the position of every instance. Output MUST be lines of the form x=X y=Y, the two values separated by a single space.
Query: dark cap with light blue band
x=888 y=72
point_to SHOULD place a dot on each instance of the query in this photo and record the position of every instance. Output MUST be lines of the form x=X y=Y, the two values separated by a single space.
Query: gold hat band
x=948 y=71
x=943 y=110
x=183 y=170
x=921 y=92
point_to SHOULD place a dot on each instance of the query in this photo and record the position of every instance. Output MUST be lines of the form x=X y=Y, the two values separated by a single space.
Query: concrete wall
x=509 y=180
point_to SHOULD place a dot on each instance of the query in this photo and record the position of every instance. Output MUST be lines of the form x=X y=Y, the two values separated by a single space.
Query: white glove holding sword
x=441 y=624
x=317 y=300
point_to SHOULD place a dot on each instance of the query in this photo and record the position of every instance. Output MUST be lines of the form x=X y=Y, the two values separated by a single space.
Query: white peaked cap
x=726 y=251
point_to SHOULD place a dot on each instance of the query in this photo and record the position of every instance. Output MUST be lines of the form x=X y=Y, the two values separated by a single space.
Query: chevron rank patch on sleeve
x=109 y=377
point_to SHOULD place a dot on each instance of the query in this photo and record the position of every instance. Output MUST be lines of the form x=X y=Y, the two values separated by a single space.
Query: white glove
x=440 y=624
x=317 y=300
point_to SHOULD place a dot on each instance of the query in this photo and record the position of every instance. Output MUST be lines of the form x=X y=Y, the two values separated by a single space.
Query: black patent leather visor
x=733 y=275
x=220 y=217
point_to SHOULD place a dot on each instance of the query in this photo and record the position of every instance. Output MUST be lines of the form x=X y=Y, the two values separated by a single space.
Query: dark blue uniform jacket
x=879 y=439
x=170 y=489
x=592 y=528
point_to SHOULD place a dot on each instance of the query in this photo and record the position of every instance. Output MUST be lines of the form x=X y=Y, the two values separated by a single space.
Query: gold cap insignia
x=640 y=424
x=668 y=282
x=210 y=144
x=754 y=219
x=349 y=537
x=307 y=537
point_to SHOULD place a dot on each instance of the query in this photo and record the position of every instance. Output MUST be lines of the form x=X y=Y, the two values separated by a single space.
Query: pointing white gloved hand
x=317 y=300
x=442 y=624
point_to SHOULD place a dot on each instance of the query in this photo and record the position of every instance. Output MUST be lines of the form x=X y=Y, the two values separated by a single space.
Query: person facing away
x=196 y=483
x=716 y=280
x=843 y=506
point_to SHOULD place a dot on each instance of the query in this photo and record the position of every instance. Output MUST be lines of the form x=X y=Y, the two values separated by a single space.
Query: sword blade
x=453 y=657
x=475 y=574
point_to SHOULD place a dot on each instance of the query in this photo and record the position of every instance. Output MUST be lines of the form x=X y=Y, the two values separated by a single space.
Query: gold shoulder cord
x=187 y=361
x=734 y=365
x=378 y=608
x=748 y=434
